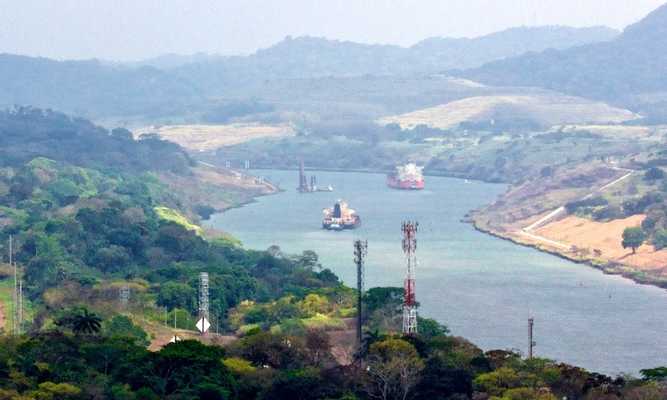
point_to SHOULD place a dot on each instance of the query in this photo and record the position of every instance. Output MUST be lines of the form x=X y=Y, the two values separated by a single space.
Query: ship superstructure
x=340 y=217
x=407 y=177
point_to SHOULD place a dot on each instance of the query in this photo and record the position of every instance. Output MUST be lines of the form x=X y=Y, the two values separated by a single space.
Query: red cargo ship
x=406 y=177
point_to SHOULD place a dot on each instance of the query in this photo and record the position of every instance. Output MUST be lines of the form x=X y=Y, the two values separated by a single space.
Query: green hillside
x=629 y=70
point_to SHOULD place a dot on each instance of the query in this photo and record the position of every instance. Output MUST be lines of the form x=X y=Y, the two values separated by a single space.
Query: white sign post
x=203 y=325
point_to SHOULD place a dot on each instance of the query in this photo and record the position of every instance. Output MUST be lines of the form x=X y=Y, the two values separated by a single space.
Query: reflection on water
x=483 y=288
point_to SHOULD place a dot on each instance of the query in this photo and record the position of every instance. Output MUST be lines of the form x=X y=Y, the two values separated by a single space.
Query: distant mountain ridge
x=173 y=84
x=630 y=70
x=89 y=87
x=309 y=57
x=430 y=55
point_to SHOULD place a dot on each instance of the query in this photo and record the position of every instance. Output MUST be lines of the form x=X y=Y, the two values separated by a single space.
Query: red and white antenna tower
x=410 y=299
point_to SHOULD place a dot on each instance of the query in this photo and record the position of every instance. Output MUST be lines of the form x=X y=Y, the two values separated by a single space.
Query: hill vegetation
x=91 y=88
x=90 y=214
x=309 y=57
x=628 y=70
x=183 y=89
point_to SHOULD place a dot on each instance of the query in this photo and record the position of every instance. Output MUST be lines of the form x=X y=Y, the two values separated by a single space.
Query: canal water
x=481 y=287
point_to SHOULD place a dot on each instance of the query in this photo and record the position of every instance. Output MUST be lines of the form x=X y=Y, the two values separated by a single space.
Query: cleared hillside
x=211 y=137
x=543 y=110
x=629 y=70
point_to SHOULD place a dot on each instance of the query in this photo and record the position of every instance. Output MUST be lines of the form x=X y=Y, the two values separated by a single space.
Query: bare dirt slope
x=548 y=110
x=219 y=188
x=603 y=240
x=198 y=138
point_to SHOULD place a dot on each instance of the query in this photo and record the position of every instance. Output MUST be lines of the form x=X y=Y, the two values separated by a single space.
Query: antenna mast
x=203 y=324
x=409 y=229
x=360 y=251
x=124 y=295
x=531 y=342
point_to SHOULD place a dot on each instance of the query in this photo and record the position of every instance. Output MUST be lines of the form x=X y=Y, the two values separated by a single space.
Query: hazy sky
x=136 y=29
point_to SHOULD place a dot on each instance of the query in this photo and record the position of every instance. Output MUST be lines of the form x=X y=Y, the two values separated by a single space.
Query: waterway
x=481 y=287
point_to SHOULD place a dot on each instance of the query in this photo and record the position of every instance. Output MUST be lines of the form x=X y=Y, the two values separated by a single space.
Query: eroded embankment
x=649 y=272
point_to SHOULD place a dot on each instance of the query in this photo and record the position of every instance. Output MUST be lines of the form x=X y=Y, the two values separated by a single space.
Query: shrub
x=660 y=239
x=239 y=365
x=575 y=206
x=638 y=206
x=608 y=213
x=654 y=174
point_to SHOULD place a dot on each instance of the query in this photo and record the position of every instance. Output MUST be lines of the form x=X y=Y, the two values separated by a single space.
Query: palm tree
x=80 y=321
x=86 y=322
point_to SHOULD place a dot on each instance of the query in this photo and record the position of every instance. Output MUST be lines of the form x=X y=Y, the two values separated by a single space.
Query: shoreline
x=382 y=171
x=637 y=276
x=607 y=268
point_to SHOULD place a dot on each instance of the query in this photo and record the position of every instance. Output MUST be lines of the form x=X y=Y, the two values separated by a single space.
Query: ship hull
x=339 y=226
x=406 y=184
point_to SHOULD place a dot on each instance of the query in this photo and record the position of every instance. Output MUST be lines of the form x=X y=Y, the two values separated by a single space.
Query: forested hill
x=630 y=70
x=308 y=57
x=175 y=86
x=91 y=88
x=87 y=207
x=27 y=133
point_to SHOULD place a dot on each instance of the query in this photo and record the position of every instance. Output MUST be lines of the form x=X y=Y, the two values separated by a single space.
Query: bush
x=177 y=295
x=323 y=322
x=654 y=174
x=638 y=206
x=660 y=239
x=608 y=213
x=122 y=326
x=575 y=206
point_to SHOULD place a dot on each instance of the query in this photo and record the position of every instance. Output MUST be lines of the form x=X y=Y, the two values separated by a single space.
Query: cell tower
x=409 y=229
x=360 y=251
x=531 y=342
x=203 y=323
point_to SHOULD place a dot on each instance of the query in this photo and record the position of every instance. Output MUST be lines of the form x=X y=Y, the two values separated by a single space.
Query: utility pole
x=360 y=251
x=409 y=230
x=19 y=318
x=531 y=342
x=15 y=293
